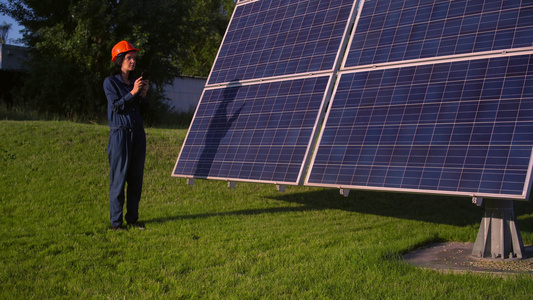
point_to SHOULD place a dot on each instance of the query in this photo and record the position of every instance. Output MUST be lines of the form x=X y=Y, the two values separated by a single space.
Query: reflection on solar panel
x=273 y=38
x=259 y=114
x=462 y=124
x=401 y=30
x=257 y=132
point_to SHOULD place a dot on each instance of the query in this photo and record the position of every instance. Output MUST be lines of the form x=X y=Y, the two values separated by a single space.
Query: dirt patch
x=457 y=257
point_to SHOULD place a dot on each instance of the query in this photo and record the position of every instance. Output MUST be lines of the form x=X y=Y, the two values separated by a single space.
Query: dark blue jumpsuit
x=126 y=149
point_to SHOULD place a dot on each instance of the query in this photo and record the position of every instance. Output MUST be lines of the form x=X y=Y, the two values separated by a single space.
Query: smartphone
x=145 y=75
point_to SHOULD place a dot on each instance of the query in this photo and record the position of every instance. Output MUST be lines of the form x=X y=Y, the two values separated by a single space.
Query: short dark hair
x=118 y=64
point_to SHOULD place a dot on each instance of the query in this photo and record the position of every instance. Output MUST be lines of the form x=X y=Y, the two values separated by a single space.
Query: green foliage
x=210 y=242
x=71 y=43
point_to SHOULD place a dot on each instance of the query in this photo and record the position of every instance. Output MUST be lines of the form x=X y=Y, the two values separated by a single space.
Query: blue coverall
x=126 y=149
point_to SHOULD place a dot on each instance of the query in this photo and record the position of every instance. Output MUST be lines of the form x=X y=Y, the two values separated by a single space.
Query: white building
x=12 y=57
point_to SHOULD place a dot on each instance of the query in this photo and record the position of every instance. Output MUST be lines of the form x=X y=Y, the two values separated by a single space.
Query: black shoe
x=137 y=225
x=118 y=228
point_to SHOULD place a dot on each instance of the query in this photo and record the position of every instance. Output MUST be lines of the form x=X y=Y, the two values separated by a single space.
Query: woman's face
x=128 y=64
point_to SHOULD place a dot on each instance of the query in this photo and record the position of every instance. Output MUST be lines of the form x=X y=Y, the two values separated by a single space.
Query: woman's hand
x=145 y=86
x=140 y=86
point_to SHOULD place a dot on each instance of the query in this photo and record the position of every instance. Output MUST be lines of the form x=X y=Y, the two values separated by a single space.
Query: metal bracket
x=477 y=201
x=232 y=184
x=344 y=192
x=190 y=181
x=280 y=188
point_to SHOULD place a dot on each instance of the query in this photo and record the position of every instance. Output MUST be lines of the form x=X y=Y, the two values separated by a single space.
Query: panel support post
x=498 y=236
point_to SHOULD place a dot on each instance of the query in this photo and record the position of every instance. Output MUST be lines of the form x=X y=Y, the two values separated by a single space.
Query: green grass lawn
x=208 y=241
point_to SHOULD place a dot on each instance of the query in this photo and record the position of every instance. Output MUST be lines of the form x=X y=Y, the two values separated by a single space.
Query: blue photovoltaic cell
x=253 y=132
x=281 y=37
x=463 y=127
x=390 y=31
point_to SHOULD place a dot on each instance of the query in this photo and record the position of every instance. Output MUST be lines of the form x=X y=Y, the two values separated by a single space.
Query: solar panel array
x=425 y=103
x=258 y=116
x=433 y=96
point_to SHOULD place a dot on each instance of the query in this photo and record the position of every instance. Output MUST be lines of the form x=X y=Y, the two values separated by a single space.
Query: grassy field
x=208 y=241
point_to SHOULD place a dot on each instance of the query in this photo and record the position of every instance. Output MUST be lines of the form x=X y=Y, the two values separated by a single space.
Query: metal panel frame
x=243 y=2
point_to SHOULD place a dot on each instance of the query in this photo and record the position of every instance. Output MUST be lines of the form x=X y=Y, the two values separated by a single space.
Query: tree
x=71 y=41
x=4 y=30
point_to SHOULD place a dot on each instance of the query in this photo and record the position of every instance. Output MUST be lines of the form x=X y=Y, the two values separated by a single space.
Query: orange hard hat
x=121 y=47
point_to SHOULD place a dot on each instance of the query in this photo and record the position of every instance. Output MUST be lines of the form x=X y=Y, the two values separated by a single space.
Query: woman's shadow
x=217 y=129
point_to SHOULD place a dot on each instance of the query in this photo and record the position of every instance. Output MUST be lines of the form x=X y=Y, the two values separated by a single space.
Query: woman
x=127 y=140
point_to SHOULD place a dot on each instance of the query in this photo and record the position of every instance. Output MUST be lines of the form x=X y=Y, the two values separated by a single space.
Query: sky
x=13 y=33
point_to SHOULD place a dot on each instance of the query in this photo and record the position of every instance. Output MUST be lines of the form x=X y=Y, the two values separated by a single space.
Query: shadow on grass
x=456 y=211
x=245 y=212
x=427 y=208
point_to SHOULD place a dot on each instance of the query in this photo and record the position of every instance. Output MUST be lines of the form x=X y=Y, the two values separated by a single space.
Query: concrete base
x=455 y=257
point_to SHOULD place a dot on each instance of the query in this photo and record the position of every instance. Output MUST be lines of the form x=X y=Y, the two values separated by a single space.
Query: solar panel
x=259 y=114
x=256 y=132
x=434 y=97
x=275 y=38
x=463 y=127
x=389 y=31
